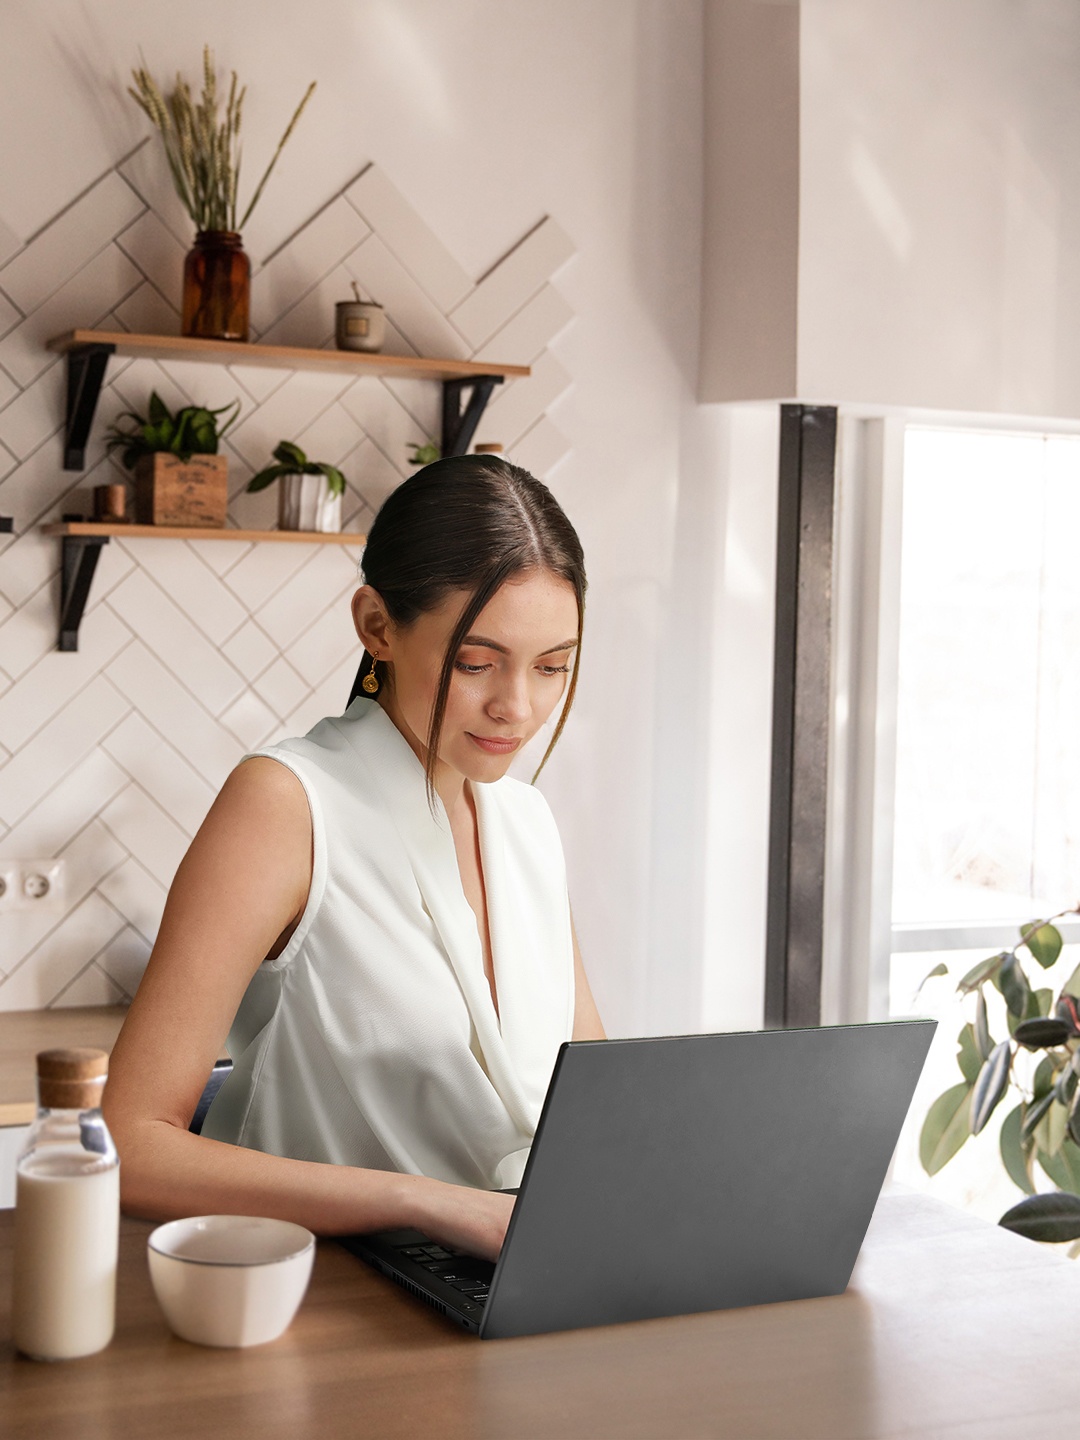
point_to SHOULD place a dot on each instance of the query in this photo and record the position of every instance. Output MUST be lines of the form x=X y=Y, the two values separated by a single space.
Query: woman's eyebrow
x=494 y=645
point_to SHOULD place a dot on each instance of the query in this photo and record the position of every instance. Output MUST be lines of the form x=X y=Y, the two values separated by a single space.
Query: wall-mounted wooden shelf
x=88 y=353
x=90 y=528
x=278 y=357
x=81 y=542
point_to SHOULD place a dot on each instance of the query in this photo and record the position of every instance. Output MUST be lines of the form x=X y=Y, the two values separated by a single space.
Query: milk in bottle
x=67 y=1214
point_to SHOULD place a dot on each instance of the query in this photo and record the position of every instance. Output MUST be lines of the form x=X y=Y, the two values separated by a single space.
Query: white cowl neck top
x=372 y=1039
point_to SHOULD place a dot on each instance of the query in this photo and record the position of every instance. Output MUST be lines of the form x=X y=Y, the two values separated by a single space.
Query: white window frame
x=859 y=935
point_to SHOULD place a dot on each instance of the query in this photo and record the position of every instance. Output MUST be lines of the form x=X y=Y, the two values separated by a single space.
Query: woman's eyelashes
x=466 y=669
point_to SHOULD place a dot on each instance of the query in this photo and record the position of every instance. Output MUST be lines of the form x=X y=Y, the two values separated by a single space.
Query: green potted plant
x=180 y=478
x=1038 y=1061
x=310 y=493
x=203 y=154
x=425 y=454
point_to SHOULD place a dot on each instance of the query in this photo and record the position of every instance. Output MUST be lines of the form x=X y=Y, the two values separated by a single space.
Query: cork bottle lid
x=489 y=449
x=71 y=1079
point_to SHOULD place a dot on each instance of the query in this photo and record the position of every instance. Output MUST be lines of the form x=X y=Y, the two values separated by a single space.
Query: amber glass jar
x=217 y=287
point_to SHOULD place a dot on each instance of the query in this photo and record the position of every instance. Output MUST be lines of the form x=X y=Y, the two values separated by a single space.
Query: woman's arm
x=237 y=896
x=587 y=1025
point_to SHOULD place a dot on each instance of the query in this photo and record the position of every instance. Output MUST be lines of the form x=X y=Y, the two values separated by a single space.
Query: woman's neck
x=449 y=784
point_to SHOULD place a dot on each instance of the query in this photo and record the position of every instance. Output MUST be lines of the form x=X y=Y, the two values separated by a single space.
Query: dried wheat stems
x=202 y=151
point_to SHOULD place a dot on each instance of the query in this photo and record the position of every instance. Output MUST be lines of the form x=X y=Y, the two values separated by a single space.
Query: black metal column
x=801 y=695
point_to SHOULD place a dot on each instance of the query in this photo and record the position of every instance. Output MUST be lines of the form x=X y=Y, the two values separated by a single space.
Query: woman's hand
x=471 y=1220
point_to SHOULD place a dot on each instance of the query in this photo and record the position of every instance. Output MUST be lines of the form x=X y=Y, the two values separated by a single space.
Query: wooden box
x=171 y=491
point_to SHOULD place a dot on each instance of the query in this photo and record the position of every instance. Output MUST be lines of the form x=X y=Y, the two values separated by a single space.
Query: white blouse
x=372 y=1039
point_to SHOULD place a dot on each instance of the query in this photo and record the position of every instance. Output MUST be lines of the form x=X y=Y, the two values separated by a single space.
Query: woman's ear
x=372 y=622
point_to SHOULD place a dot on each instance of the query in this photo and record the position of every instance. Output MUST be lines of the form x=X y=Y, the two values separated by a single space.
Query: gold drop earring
x=370 y=682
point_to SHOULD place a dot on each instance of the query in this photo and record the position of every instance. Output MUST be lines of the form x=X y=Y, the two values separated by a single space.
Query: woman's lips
x=493 y=747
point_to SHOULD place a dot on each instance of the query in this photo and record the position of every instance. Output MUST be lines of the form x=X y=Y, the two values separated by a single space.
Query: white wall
x=938 y=215
x=939 y=211
x=487 y=115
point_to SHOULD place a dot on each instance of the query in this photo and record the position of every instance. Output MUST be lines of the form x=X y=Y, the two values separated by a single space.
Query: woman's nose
x=510 y=702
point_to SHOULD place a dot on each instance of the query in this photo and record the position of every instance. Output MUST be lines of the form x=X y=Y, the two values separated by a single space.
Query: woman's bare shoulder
x=263 y=789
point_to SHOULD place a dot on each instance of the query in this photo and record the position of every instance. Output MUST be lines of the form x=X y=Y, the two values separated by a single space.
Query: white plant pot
x=305 y=503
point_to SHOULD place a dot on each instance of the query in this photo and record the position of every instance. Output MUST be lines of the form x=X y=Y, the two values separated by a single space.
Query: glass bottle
x=217 y=287
x=67 y=1214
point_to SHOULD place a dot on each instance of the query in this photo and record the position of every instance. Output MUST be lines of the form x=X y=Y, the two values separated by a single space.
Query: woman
x=382 y=912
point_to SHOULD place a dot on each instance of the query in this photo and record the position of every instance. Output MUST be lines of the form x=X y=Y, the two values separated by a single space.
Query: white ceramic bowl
x=230 y=1279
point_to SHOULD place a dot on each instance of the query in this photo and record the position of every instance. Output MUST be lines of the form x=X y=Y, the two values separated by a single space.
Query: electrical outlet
x=31 y=884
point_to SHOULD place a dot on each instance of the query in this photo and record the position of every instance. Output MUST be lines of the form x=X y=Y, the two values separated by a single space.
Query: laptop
x=682 y=1174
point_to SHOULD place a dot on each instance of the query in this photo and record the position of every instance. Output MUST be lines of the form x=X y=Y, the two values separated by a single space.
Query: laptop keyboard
x=467 y=1274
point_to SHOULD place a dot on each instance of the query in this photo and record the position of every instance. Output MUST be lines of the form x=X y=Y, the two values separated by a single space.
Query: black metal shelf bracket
x=458 y=426
x=79 y=559
x=86 y=366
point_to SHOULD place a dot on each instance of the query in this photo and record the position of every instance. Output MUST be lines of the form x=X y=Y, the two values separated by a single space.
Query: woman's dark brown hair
x=470 y=522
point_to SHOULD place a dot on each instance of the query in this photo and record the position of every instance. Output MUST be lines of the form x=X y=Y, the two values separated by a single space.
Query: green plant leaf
x=225 y=426
x=990 y=1086
x=984 y=970
x=423 y=454
x=946 y=1127
x=1044 y=998
x=940 y=969
x=1013 y=984
x=1064 y=1167
x=968 y=1057
x=1015 y=1155
x=200 y=430
x=1040 y=1034
x=1051 y=1218
x=335 y=480
x=1072 y=1128
x=268 y=476
x=1072 y=984
x=1065 y=1085
x=157 y=410
x=1045 y=944
x=1068 y=1009
x=1045 y=1075
x=1034 y=1114
x=289 y=454
x=984 y=1041
x=1056 y=1123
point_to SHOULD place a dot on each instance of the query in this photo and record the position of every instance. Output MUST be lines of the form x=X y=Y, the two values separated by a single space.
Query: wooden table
x=951 y=1328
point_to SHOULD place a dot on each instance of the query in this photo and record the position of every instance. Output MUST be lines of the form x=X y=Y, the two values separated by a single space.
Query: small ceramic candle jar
x=361 y=325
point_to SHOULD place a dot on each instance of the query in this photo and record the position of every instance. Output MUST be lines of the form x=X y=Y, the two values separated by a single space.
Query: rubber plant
x=1037 y=1064
x=192 y=430
x=291 y=460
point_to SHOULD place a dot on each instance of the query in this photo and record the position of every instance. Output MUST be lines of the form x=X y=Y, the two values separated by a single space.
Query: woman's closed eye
x=466 y=669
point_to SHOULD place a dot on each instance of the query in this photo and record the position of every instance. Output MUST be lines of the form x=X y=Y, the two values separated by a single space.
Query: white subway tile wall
x=191 y=653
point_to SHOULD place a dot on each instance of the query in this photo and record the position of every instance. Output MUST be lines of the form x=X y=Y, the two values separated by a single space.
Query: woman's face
x=509 y=674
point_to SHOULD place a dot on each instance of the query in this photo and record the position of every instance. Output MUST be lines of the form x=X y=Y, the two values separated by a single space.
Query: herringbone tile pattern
x=192 y=653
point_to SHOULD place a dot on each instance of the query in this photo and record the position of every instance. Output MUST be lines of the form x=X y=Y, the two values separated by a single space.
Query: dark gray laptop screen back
x=703 y=1172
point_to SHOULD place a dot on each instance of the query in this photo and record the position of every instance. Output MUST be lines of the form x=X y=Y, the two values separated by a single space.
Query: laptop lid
x=702 y=1172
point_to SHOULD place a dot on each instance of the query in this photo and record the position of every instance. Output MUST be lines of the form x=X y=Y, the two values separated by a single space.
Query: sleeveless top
x=372 y=1039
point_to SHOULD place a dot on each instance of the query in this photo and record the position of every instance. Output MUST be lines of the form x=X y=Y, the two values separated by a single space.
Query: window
x=986 y=832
